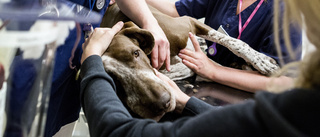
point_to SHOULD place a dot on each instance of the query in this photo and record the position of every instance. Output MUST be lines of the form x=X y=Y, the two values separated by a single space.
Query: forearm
x=138 y=11
x=108 y=117
x=99 y=100
x=195 y=106
x=245 y=80
x=165 y=6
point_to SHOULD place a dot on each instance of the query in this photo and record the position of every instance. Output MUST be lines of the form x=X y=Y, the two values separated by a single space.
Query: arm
x=139 y=12
x=165 y=6
x=107 y=116
x=195 y=106
x=251 y=81
x=184 y=104
x=245 y=80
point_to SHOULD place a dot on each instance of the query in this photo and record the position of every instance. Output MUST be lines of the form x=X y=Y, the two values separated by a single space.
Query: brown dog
x=126 y=58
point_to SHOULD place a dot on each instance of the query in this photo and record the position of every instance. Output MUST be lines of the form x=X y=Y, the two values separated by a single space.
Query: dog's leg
x=263 y=63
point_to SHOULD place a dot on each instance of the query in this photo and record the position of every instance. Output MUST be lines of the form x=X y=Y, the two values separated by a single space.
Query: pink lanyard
x=241 y=29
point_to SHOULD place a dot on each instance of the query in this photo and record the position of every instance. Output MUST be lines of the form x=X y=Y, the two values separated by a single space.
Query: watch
x=99 y=5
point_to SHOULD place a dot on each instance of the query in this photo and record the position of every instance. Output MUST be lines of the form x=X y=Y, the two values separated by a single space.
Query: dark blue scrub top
x=258 y=34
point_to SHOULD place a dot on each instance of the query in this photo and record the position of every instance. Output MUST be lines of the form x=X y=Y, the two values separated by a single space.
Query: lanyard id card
x=212 y=50
x=221 y=29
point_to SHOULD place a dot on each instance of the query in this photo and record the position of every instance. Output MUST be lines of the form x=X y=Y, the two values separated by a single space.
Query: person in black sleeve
x=293 y=112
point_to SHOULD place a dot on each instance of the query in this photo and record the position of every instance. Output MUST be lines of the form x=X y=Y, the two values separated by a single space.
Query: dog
x=127 y=60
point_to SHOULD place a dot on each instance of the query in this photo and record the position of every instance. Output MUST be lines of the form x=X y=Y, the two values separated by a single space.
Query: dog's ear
x=143 y=38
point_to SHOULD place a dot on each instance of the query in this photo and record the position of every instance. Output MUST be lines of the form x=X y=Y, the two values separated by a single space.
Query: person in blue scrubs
x=258 y=34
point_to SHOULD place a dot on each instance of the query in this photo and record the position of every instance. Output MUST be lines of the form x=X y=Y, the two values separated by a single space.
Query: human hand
x=161 y=50
x=98 y=42
x=181 y=97
x=197 y=60
x=112 y=2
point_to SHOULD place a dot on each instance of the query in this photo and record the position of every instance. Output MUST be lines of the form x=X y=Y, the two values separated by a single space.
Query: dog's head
x=126 y=59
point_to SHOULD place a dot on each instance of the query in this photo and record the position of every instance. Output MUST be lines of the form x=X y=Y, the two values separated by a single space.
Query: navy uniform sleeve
x=196 y=106
x=193 y=8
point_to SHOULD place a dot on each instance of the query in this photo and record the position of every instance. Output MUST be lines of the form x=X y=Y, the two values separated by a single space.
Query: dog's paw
x=264 y=64
x=261 y=62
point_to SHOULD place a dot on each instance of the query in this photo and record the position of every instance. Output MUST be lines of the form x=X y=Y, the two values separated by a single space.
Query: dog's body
x=126 y=58
x=176 y=29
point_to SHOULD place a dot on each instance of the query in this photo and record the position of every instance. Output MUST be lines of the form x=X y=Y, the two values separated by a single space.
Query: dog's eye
x=136 y=53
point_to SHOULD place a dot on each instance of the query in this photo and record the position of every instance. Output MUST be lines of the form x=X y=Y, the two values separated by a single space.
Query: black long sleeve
x=107 y=116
